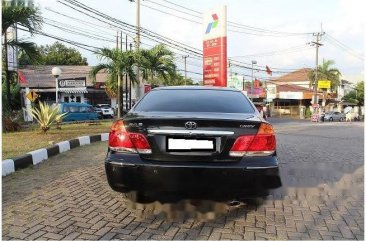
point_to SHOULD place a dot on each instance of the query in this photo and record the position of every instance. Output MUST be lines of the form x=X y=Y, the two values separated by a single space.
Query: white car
x=104 y=110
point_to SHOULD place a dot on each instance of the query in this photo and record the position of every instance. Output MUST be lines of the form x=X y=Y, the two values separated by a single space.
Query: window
x=66 y=99
x=78 y=99
x=84 y=109
x=195 y=100
x=74 y=109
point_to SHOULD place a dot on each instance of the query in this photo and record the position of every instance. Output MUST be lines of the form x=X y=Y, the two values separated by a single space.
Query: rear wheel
x=331 y=119
x=341 y=119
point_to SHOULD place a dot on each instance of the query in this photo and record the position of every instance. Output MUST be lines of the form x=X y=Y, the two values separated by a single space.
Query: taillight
x=122 y=141
x=261 y=144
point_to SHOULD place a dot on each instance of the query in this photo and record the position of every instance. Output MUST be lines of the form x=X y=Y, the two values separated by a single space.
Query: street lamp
x=251 y=89
x=56 y=72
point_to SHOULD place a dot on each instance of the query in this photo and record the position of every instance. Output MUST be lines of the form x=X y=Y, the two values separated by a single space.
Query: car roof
x=195 y=87
x=75 y=104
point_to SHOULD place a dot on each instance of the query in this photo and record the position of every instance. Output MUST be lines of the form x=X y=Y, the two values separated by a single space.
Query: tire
x=341 y=119
x=331 y=119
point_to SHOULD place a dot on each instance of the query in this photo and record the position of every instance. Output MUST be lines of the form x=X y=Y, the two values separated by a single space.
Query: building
x=344 y=89
x=291 y=95
x=74 y=84
x=297 y=77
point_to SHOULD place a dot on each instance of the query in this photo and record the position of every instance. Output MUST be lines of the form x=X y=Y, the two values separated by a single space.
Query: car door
x=337 y=115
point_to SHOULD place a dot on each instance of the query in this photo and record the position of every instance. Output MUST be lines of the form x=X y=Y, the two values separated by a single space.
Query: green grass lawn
x=19 y=143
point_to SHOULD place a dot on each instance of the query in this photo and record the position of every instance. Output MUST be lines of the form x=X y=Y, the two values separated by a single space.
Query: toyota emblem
x=190 y=125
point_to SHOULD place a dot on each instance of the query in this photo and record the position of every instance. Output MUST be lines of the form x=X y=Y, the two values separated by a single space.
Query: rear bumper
x=128 y=172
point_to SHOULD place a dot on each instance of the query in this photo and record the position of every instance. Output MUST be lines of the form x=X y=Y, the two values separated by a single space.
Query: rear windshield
x=188 y=100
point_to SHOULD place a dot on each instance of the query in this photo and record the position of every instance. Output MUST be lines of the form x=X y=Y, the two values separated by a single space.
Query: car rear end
x=192 y=142
x=107 y=112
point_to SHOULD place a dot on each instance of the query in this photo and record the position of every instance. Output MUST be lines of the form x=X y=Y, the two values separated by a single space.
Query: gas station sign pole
x=215 y=47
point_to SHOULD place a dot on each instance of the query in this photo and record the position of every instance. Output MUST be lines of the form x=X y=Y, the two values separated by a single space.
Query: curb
x=35 y=157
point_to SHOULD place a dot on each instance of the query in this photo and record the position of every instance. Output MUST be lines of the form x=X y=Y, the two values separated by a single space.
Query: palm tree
x=326 y=73
x=118 y=63
x=29 y=18
x=156 y=62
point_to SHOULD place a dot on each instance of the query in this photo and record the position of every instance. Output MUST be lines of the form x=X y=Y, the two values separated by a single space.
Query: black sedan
x=192 y=142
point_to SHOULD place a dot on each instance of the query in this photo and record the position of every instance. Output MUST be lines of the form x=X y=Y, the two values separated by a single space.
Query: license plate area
x=187 y=144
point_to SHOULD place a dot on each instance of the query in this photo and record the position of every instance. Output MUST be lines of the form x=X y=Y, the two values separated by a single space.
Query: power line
x=87 y=23
x=77 y=44
x=90 y=36
x=192 y=72
x=260 y=31
x=128 y=27
x=195 y=53
x=347 y=49
x=276 y=52
x=94 y=25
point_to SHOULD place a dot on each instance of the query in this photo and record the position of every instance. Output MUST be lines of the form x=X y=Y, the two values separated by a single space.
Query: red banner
x=215 y=62
x=147 y=89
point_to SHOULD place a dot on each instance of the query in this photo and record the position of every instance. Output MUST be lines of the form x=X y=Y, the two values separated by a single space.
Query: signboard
x=323 y=84
x=72 y=82
x=236 y=82
x=315 y=118
x=271 y=92
x=12 y=51
x=291 y=95
x=215 y=47
x=32 y=96
x=100 y=85
x=255 y=91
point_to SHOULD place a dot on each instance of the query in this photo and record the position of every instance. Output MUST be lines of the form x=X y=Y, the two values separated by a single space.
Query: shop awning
x=73 y=90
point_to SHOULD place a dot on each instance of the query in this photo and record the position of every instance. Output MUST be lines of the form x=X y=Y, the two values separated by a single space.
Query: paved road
x=67 y=197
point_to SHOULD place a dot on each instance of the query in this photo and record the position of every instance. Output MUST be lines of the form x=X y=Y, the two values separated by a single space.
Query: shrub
x=12 y=121
x=307 y=113
x=46 y=115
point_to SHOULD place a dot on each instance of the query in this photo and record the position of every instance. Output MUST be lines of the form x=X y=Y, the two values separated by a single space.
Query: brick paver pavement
x=67 y=197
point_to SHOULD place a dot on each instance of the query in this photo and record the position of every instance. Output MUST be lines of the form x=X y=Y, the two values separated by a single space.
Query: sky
x=341 y=20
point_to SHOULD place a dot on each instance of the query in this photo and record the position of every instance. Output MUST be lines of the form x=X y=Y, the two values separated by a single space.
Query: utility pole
x=126 y=78
x=317 y=44
x=251 y=89
x=139 y=94
x=185 y=68
x=118 y=88
x=130 y=104
x=7 y=75
x=230 y=68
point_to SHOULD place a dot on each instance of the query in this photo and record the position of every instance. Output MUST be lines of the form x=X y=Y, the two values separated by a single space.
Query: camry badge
x=247 y=126
x=190 y=125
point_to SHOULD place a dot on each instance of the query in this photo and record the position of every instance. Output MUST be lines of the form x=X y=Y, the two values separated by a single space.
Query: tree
x=55 y=54
x=117 y=63
x=356 y=96
x=157 y=64
x=326 y=73
x=177 y=79
x=29 y=18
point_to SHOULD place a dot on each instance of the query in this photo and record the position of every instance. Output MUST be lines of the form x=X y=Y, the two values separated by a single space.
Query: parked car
x=192 y=142
x=104 y=110
x=78 y=111
x=334 y=116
